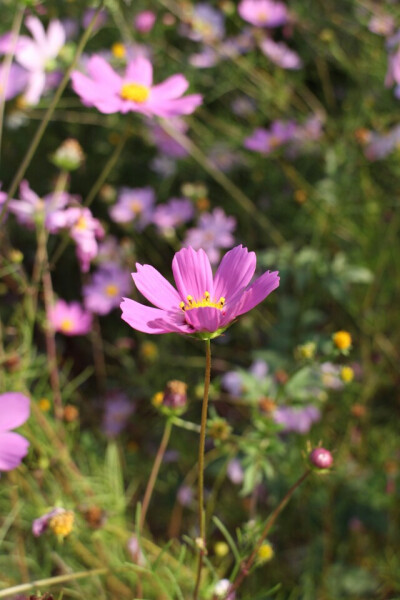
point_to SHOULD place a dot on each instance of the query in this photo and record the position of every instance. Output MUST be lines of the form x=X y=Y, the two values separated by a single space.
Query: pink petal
x=174 y=108
x=14 y=410
x=171 y=88
x=152 y=320
x=35 y=87
x=55 y=38
x=37 y=30
x=100 y=70
x=258 y=291
x=139 y=70
x=204 y=318
x=156 y=288
x=13 y=448
x=192 y=273
x=234 y=273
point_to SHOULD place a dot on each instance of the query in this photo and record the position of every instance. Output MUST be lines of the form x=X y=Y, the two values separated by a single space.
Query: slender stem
x=246 y=566
x=202 y=540
x=98 y=355
x=46 y=119
x=154 y=471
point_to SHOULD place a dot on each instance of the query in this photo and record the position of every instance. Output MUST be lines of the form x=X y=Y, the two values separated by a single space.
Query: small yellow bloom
x=118 y=50
x=62 y=524
x=265 y=553
x=44 y=404
x=347 y=374
x=307 y=350
x=221 y=549
x=157 y=399
x=342 y=340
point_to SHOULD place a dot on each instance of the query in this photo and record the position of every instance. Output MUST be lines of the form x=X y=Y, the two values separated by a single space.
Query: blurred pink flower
x=382 y=25
x=36 y=54
x=69 y=319
x=14 y=411
x=106 y=289
x=165 y=142
x=202 y=304
x=144 y=21
x=213 y=232
x=31 y=207
x=268 y=140
x=134 y=92
x=84 y=229
x=40 y=525
x=280 y=54
x=12 y=81
x=134 y=205
x=263 y=13
x=172 y=214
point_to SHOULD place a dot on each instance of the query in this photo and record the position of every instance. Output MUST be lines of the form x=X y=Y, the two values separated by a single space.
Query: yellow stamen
x=135 y=92
x=66 y=325
x=62 y=524
x=204 y=302
x=136 y=207
x=111 y=290
x=81 y=223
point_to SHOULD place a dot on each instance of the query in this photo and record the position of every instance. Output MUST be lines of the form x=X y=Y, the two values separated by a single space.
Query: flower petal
x=192 y=273
x=234 y=273
x=174 y=107
x=14 y=410
x=171 y=88
x=152 y=320
x=156 y=288
x=205 y=318
x=13 y=448
x=139 y=70
x=258 y=291
x=100 y=70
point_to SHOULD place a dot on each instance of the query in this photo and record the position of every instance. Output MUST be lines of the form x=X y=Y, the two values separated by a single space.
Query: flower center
x=81 y=223
x=262 y=16
x=135 y=92
x=118 y=50
x=136 y=207
x=66 y=325
x=204 y=302
x=111 y=290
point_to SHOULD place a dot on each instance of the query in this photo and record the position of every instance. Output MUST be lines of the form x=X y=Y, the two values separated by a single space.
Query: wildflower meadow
x=199 y=329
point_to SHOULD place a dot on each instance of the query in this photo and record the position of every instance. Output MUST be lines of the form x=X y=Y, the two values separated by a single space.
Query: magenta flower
x=40 y=525
x=263 y=13
x=144 y=21
x=202 y=304
x=12 y=81
x=69 y=319
x=14 y=411
x=268 y=140
x=134 y=92
x=31 y=207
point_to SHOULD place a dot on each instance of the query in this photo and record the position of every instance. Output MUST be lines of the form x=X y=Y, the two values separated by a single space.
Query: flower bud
x=175 y=394
x=69 y=156
x=321 y=458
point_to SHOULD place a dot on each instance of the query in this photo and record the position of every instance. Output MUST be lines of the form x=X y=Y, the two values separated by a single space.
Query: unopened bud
x=175 y=394
x=69 y=156
x=321 y=458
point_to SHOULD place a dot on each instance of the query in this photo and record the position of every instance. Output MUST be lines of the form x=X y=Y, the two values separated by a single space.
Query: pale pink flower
x=263 y=13
x=280 y=54
x=30 y=207
x=110 y=92
x=69 y=319
x=14 y=411
x=36 y=54
x=144 y=21
x=106 y=289
x=202 y=304
x=134 y=205
x=213 y=232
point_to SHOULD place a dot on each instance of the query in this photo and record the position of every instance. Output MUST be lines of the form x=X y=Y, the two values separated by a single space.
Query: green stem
x=202 y=537
x=246 y=566
x=154 y=472
x=43 y=583
x=46 y=119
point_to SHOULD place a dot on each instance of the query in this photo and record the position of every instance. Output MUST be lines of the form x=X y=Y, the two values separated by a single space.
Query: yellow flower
x=342 y=340
x=157 y=399
x=118 y=50
x=62 y=523
x=221 y=549
x=307 y=350
x=347 y=374
x=265 y=553
x=44 y=404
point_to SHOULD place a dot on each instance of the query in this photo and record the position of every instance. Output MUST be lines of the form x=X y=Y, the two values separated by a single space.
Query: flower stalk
x=203 y=426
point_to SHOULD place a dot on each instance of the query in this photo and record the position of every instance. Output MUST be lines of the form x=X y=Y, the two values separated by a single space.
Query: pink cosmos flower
x=84 y=229
x=14 y=411
x=37 y=53
x=266 y=141
x=263 y=13
x=30 y=207
x=134 y=92
x=134 y=204
x=12 y=81
x=106 y=289
x=172 y=214
x=69 y=319
x=202 y=304
x=280 y=54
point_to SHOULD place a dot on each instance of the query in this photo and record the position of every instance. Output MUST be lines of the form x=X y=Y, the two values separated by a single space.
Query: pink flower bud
x=321 y=458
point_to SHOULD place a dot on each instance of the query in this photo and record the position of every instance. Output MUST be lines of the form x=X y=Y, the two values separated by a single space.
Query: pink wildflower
x=263 y=13
x=144 y=21
x=106 y=289
x=69 y=319
x=31 y=207
x=12 y=81
x=280 y=54
x=134 y=204
x=203 y=304
x=213 y=232
x=134 y=92
x=14 y=411
x=36 y=54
